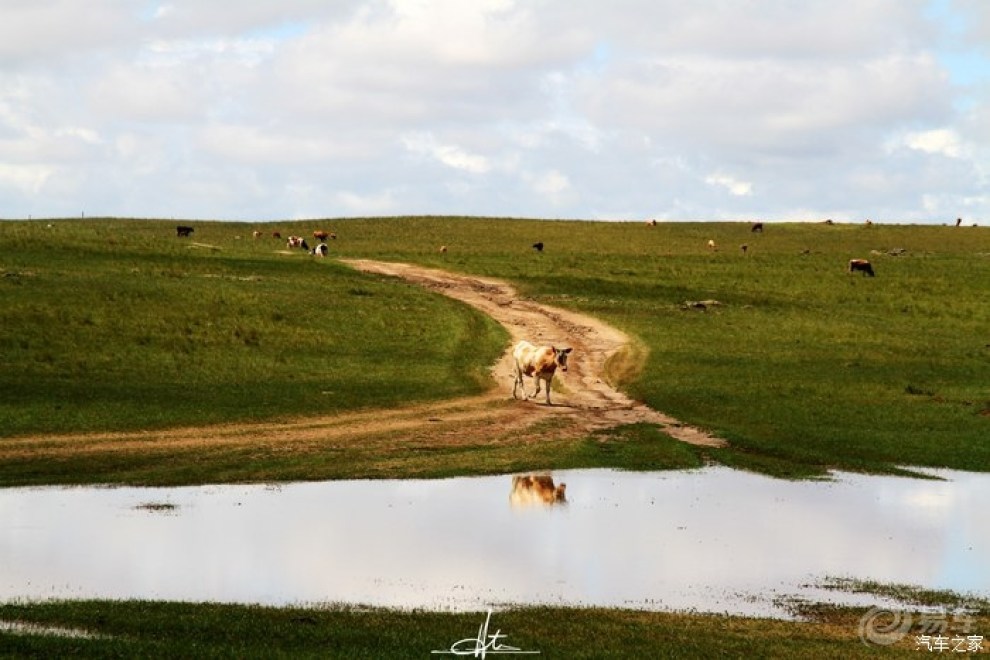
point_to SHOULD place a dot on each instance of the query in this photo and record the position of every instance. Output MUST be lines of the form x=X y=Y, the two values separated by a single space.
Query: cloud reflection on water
x=709 y=539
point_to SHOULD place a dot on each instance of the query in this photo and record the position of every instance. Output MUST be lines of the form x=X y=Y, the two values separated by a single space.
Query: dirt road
x=601 y=352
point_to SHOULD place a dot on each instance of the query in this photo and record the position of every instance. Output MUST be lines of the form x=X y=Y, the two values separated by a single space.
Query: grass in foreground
x=444 y=452
x=148 y=629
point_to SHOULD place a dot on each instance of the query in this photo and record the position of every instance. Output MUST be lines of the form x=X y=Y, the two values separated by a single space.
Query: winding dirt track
x=599 y=350
x=583 y=401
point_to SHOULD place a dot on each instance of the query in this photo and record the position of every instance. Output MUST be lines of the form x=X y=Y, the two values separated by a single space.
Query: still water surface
x=715 y=540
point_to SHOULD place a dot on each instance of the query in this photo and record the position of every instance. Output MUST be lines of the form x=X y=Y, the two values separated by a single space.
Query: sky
x=586 y=109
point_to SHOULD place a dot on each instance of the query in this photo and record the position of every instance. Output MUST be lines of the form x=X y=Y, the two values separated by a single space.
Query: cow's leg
x=549 y=381
x=536 y=377
x=516 y=383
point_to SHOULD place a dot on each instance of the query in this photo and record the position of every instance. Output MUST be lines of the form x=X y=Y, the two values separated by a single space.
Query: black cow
x=182 y=230
x=538 y=246
x=757 y=227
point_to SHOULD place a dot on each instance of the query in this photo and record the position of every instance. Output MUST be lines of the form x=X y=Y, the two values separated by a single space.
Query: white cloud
x=766 y=106
x=381 y=203
x=80 y=133
x=553 y=186
x=640 y=108
x=141 y=154
x=27 y=178
x=33 y=32
x=551 y=183
x=162 y=11
x=144 y=94
x=450 y=155
x=730 y=183
x=938 y=141
x=247 y=51
x=253 y=145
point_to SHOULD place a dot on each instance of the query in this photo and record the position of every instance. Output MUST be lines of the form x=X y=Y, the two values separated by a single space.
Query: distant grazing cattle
x=744 y=247
x=256 y=234
x=868 y=223
x=321 y=235
x=536 y=489
x=297 y=242
x=652 y=223
x=862 y=266
x=538 y=362
x=757 y=227
x=443 y=249
x=711 y=245
x=538 y=246
x=702 y=305
x=829 y=222
x=182 y=230
x=276 y=234
x=320 y=250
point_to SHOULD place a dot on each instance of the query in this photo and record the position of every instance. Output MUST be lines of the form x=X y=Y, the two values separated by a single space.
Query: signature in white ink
x=484 y=643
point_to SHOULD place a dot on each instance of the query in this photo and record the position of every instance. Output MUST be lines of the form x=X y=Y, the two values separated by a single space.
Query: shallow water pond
x=715 y=540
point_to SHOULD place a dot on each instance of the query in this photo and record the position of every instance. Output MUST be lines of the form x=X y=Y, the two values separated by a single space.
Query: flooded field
x=714 y=540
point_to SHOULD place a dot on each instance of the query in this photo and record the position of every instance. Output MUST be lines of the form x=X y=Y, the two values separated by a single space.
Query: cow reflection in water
x=536 y=489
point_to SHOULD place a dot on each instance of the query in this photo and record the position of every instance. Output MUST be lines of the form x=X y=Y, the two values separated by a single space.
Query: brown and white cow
x=297 y=242
x=321 y=235
x=538 y=362
x=536 y=489
x=862 y=266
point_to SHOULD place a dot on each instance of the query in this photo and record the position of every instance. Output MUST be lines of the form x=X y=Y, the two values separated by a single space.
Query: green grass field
x=169 y=630
x=112 y=325
x=117 y=324
x=803 y=366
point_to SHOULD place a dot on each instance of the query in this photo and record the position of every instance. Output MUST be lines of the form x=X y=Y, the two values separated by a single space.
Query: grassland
x=153 y=629
x=113 y=325
x=116 y=325
x=802 y=367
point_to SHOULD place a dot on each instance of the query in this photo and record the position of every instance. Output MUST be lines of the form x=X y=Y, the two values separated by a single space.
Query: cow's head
x=560 y=357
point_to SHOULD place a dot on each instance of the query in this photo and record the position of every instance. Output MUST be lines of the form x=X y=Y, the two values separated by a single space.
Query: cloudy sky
x=619 y=110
